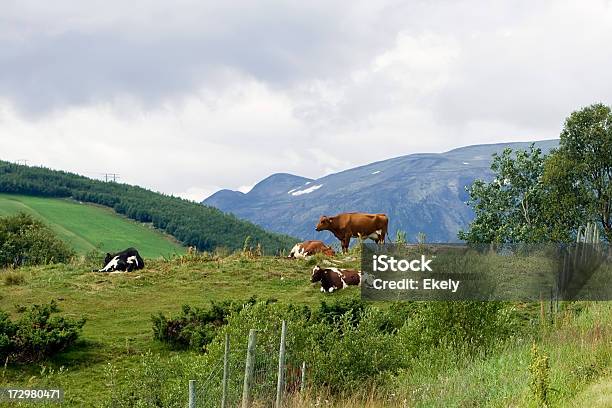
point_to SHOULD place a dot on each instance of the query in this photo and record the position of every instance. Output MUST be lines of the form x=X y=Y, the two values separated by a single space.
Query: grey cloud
x=42 y=69
x=244 y=89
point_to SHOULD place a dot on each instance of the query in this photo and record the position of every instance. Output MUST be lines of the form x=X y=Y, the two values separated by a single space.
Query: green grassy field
x=118 y=308
x=118 y=331
x=86 y=227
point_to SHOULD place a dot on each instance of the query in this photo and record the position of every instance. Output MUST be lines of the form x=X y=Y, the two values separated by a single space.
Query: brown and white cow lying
x=308 y=248
x=348 y=225
x=335 y=278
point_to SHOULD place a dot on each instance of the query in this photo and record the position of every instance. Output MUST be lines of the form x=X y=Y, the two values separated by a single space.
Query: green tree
x=512 y=207
x=579 y=173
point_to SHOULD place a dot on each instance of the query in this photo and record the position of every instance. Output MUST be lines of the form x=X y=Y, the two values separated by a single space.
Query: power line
x=111 y=177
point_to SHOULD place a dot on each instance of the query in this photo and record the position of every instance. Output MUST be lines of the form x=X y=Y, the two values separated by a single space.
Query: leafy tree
x=512 y=207
x=537 y=198
x=579 y=173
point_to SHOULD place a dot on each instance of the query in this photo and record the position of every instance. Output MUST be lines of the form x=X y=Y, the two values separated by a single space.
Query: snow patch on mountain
x=305 y=191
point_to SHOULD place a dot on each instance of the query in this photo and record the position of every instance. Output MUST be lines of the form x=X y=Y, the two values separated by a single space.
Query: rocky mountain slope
x=419 y=192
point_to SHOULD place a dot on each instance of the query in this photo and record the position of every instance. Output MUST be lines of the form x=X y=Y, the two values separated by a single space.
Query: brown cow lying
x=308 y=248
x=348 y=225
x=334 y=278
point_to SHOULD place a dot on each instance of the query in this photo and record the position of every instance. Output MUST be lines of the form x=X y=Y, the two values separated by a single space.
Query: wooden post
x=249 y=368
x=542 y=310
x=225 y=371
x=280 y=383
x=192 y=394
x=552 y=315
x=303 y=379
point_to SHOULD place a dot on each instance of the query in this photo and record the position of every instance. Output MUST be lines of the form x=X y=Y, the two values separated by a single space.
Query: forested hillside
x=192 y=224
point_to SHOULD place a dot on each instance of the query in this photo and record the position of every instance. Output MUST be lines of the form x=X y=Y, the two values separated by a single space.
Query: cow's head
x=317 y=274
x=107 y=259
x=325 y=223
x=329 y=251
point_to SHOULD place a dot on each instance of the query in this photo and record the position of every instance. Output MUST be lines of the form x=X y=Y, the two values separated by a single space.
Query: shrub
x=154 y=382
x=27 y=241
x=343 y=352
x=331 y=312
x=195 y=327
x=37 y=334
x=347 y=344
x=469 y=325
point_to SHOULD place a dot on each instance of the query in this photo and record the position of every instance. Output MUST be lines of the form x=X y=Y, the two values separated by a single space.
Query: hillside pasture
x=118 y=335
x=86 y=227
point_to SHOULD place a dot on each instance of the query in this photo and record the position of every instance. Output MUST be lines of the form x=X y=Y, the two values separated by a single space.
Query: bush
x=195 y=327
x=37 y=334
x=347 y=344
x=331 y=312
x=152 y=383
x=468 y=325
x=27 y=241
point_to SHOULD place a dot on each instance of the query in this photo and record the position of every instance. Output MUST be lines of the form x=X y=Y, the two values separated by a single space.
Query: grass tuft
x=12 y=278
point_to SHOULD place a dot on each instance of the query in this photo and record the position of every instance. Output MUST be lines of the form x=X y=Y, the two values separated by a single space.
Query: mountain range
x=423 y=192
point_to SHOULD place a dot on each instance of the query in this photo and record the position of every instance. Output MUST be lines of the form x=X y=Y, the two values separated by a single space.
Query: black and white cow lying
x=335 y=278
x=124 y=261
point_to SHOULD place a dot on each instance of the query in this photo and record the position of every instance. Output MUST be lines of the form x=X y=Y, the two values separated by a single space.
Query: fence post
x=192 y=394
x=225 y=371
x=303 y=379
x=248 y=370
x=280 y=384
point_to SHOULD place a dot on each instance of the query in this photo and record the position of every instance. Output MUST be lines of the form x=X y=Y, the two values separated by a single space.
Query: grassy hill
x=86 y=227
x=118 y=332
x=190 y=223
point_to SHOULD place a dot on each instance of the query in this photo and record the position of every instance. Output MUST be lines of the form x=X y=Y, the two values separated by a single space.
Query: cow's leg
x=345 y=244
x=383 y=235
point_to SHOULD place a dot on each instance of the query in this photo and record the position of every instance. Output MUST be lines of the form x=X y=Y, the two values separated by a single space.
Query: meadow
x=118 y=308
x=88 y=227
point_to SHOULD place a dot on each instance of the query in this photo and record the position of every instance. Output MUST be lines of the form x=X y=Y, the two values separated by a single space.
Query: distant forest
x=191 y=223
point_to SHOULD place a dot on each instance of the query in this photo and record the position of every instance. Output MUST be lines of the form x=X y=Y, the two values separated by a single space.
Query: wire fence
x=249 y=381
x=210 y=393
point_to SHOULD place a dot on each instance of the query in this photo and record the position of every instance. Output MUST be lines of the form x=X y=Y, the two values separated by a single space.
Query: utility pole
x=111 y=176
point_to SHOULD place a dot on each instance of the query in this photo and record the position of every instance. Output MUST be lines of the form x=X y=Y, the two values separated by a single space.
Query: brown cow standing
x=348 y=225
x=308 y=248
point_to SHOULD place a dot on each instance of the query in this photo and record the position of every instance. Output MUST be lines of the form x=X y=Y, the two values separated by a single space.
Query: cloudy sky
x=187 y=97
